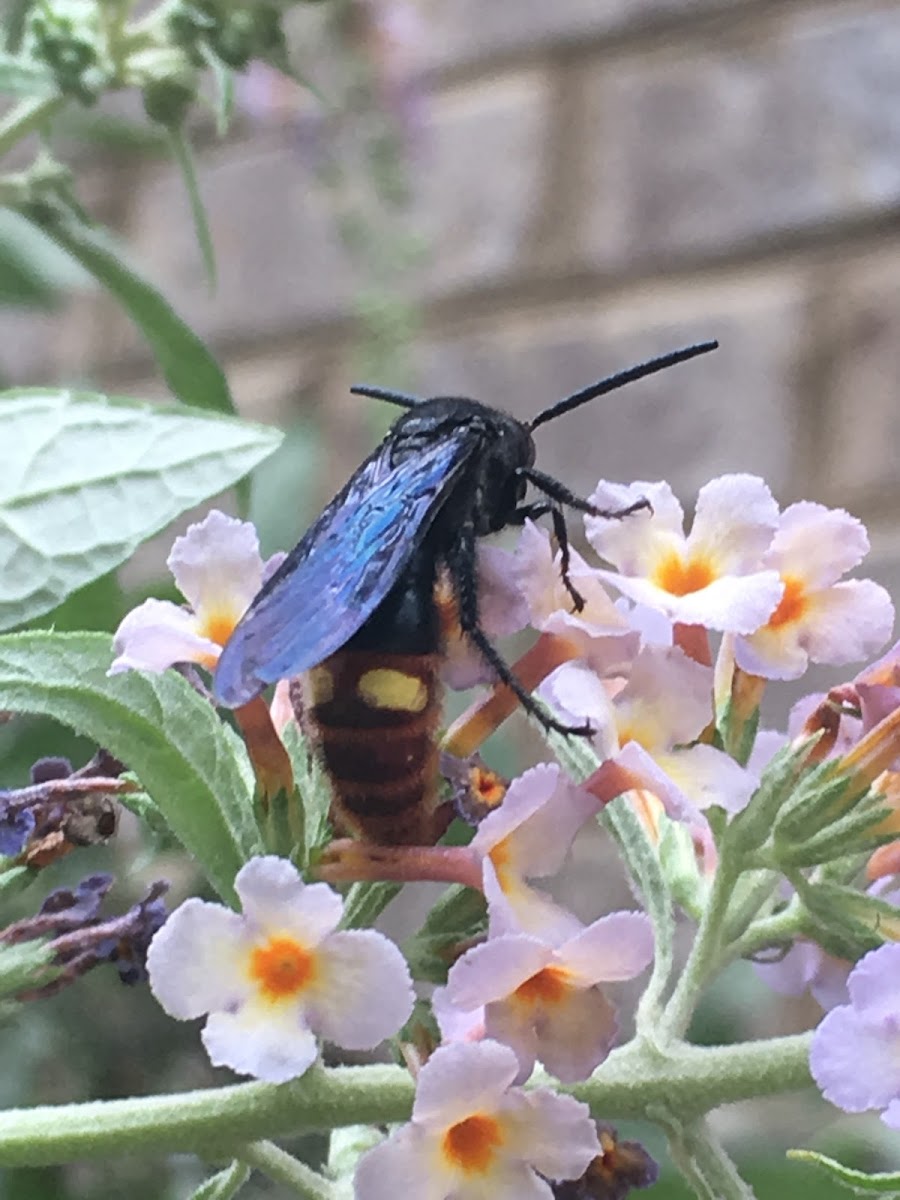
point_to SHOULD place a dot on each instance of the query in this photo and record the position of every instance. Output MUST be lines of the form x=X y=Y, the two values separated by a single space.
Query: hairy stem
x=284 y=1168
x=703 y=1162
x=631 y=1083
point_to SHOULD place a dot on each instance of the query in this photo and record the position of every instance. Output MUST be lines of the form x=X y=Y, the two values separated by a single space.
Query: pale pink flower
x=218 y=569
x=602 y=634
x=648 y=725
x=546 y=1002
x=713 y=576
x=278 y=976
x=819 y=618
x=473 y=1135
x=501 y=611
x=529 y=837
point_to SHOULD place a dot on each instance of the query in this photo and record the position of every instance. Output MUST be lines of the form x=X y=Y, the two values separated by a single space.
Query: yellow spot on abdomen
x=549 y=986
x=470 y=1145
x=383 y=687
x=680 y=578
x=281 y=968
x=320 y=685
x=792 y=604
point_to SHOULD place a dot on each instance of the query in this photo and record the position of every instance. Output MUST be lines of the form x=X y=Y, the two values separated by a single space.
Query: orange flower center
x=488 y=786
x=549 y=986
x=680 y=578
x=218 y=626
x=281 y=968
x=792 y=604
x=470 y=1145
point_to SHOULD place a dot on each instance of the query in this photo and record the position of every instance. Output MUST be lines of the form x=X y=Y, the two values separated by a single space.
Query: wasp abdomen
x=373 y=717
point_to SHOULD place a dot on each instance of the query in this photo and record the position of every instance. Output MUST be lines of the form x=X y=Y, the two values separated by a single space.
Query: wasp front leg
x=561 y=532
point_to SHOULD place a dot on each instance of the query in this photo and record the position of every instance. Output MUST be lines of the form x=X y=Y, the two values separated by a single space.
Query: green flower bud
x=167 y=101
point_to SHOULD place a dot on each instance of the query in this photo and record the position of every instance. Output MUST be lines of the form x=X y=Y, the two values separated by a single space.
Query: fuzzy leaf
x=84 y=480
x=192 y=766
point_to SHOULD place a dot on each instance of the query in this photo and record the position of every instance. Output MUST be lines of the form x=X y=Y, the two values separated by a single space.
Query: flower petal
x=363 y=992
x=634 y=545
x=577 y=695
x=404 y=1165
x=577 y=1034
x=731 y=604
x=495 y=968
x=275 y=899
x=855 y=1063
x=849 y=622
x=197 y=961
x=734 y=522
x=217 y=568
x=515 y=907
x=706 y=776
x=666 y=701
x=875 y=984
x=156 y=635
x=615 y=947
x=269 y=1044
x=556 y=1134
x=817 y=544
x=463 y=1078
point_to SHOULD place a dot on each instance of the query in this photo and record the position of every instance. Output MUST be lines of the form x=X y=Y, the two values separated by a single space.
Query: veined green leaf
x=192 y=766
x=84 y=480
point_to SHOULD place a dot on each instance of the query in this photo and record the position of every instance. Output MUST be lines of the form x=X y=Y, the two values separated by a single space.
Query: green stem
x=284 y=1168
x=208 y=1122
x=26 y=118
x=769 y=931
x=693 y=1079
x=703 y=1162
x=703 y=956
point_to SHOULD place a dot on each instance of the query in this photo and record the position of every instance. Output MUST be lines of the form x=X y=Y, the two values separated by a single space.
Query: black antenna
x=612 y=382
x=399 y=398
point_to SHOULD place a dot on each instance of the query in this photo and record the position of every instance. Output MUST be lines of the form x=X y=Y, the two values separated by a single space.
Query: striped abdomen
x=372 y=710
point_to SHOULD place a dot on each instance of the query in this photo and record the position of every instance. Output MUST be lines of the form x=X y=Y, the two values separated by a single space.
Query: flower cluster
x=668 y=677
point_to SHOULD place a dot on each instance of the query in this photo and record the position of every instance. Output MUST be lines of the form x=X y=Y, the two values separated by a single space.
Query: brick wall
x=597 y=181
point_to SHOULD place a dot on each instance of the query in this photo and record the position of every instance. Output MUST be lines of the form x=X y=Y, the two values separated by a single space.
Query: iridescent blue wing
x=343 y=567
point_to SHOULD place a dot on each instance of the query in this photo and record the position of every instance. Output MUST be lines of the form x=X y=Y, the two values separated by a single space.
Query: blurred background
x=502 y=200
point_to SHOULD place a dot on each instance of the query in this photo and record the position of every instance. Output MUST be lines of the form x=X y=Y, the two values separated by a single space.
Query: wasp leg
x=461 y=565
x=562 y=495
x=561 y=531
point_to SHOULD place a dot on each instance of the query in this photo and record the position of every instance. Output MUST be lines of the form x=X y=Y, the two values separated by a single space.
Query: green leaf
x=365 y=902
x=84 y=480
x=224 y=1184
x=858 y=1182
x=181 y=149
x=28 y=965
x=190 y=370
x=25 y=77
x=192 y=766
x=459 y=916
x=313 y=792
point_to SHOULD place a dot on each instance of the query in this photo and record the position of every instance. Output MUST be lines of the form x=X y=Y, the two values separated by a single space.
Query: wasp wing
x=343 y=567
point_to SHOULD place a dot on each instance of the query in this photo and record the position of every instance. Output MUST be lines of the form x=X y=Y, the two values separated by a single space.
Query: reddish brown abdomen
x=373 y=718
